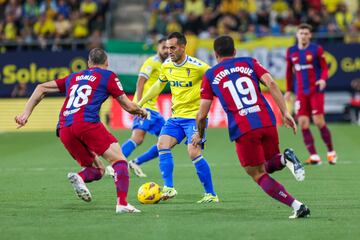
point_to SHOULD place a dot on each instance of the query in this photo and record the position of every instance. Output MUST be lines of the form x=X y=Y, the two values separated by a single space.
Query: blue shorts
x=180 y=128
x=152 y=124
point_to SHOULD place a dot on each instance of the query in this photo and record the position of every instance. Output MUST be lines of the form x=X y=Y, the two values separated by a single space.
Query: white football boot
x=126 y=209
x=137 y=169
x=79 y=186
x=294 y=165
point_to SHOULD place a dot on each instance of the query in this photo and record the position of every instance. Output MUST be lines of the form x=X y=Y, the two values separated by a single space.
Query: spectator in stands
x=62 y=27
x=331 y=5
x=88 y=8
x=299 y=9
x=229 y=7
x=44 y=27
x=13 y=8
x=194 y=7
x=10 y=29
x=80 y=25
x=207 y=24
x=49 y=8
x=63 y=8
x=161 y=23
x=173 y=25
x=343 y=17
x=31 y=10
x=312 y=18
x=289 y=23
x=26 y=32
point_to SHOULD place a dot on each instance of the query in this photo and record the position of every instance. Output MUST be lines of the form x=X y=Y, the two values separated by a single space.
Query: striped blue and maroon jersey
x=236 y=83
x=85 y=92
x=308 y=66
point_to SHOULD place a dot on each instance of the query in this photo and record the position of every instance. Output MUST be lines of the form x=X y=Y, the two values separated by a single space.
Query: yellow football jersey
x=150 y=70
x=185 y=82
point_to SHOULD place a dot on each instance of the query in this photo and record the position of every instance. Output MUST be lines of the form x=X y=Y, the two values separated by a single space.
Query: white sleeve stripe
x=144 y=75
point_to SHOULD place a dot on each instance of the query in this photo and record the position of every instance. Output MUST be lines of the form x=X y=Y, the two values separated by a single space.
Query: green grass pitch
x=37 y=202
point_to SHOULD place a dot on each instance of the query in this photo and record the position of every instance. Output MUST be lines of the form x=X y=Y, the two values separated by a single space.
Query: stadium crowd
x=248 y=19
x=46 y=23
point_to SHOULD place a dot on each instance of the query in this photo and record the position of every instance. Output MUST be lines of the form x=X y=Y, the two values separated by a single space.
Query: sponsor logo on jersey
x=252 y=109
x=299 y=67
x=69 y=112
x=180 y=83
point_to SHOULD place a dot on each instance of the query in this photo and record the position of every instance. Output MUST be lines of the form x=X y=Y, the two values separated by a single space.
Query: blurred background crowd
x=332 y=20
x=46 y=23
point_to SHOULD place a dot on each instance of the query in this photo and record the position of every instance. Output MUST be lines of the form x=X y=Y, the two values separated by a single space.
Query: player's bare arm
x=201 y=116
x=140 y=87
x=275 y=92
x=154 y=91
x=131 y=107
x=39 y=93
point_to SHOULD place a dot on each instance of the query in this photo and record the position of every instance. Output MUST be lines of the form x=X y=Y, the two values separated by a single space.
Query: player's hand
x=321 y=83
x=287 y=96
x=143 y=113
x=289 y=122
x=21 y=119
x=196 y=139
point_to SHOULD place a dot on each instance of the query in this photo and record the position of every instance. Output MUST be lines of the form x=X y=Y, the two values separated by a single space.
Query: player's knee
x=319 y=122
x=193 y=153
x=254 y=173
x=304 y=124
x=162 y=145
x=138 y=139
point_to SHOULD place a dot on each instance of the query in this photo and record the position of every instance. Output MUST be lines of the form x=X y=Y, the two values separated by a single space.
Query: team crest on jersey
x=188 y=71
x=170 y=70
x=309 y=57
x=119 y=84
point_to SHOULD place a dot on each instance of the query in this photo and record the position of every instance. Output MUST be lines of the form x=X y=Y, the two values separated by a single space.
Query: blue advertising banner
x=20 y=72
x=344 y=65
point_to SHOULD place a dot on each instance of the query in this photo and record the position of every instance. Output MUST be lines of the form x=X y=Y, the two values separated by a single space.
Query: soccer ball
x=149 y=193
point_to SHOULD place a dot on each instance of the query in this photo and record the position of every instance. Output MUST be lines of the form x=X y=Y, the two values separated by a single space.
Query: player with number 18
x=80 y=129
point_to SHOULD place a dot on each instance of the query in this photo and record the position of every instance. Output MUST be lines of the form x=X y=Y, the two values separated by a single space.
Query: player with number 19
x=251 y=121
x=80 y=129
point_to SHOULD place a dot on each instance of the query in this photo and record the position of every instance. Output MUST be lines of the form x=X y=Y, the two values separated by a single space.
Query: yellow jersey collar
x=179 y=65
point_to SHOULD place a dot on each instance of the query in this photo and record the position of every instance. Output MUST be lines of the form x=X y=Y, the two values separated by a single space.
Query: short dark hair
x=97 y=56
x=224 y=46
x=179 y=36
x=305 y=26
x=161 y=40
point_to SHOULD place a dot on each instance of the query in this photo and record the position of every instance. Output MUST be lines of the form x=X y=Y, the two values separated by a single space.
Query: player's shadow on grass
x=81 y=207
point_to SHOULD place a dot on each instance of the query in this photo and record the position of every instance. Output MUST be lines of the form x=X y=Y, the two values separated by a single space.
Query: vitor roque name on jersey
x=86 y=77
x=225 y=72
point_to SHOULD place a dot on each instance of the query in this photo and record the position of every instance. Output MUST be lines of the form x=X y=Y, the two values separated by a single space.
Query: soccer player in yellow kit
x=148 y=75
x=184 y=74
